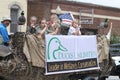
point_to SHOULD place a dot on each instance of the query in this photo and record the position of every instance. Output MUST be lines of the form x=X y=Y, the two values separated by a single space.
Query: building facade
x=43 y=9
x=13 y=8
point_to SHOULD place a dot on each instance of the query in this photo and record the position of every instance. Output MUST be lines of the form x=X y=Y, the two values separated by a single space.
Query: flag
x=66 y=18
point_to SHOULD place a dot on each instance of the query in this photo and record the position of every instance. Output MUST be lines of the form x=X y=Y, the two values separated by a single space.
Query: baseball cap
x=6 y=19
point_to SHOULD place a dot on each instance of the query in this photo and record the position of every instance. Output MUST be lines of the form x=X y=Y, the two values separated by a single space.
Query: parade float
x=58 y=57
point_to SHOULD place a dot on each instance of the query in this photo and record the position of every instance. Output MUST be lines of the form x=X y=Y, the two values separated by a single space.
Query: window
x=86 y=16
x=14 y=17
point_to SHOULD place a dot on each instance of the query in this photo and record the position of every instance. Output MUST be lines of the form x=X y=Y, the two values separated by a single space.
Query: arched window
x=14 y=11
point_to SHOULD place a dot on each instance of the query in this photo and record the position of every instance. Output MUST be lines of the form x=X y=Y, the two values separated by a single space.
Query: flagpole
x=72 y=15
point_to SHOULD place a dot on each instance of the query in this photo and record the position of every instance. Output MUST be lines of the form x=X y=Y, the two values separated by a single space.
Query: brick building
x=43 y=9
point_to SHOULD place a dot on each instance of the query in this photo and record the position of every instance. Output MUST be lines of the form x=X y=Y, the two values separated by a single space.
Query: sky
x=109 y=3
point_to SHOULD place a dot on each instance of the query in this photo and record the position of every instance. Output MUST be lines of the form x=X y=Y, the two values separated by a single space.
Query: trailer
x=21 y=66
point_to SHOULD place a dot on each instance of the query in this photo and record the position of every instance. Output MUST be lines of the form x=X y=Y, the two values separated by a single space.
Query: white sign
x=70 y=53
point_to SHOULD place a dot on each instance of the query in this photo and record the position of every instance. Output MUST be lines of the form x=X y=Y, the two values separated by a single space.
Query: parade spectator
x=32 y=28
x=3 y=31
x=4 y=38
x=74 y=29
x=53 y=25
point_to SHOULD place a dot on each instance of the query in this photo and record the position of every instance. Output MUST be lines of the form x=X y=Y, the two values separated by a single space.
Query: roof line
x=87 y=14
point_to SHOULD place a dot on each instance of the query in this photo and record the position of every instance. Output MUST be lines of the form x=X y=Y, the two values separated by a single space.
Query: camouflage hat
x=4 y=51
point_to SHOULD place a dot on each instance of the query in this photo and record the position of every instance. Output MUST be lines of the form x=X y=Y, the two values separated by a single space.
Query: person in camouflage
x=53 y=25
x=42 y=29
x=32 y=28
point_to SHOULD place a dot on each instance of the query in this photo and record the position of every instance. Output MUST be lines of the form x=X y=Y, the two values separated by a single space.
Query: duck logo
x=54 y=41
